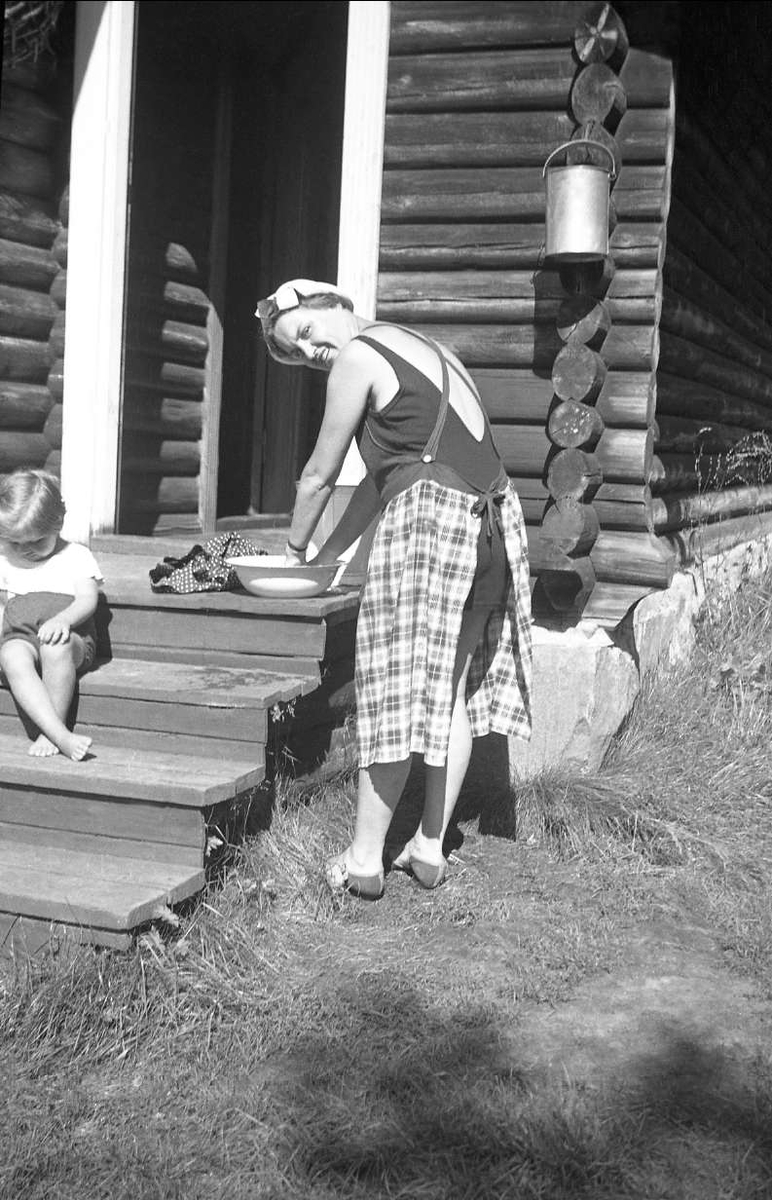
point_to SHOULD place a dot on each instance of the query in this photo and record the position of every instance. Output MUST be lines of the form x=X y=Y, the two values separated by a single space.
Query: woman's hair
x=269 y=313
x=31 y=505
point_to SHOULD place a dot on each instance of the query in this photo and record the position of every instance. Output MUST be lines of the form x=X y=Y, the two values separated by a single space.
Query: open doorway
x=235 y=187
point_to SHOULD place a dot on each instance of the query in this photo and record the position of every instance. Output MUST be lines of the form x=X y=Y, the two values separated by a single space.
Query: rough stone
x=584 y=686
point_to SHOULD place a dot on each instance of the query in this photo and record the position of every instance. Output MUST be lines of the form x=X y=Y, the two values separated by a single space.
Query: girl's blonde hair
x=31 y=505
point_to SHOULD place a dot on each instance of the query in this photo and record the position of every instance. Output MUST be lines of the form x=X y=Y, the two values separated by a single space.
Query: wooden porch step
x=178 y=707
x=91 y=891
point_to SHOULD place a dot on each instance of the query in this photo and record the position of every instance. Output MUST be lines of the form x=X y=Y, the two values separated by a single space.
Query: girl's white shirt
x=69 y=563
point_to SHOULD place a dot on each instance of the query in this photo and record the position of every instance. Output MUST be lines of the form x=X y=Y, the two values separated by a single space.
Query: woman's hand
x=293 y=557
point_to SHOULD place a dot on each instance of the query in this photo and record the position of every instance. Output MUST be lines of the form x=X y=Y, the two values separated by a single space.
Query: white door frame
x=98 y=202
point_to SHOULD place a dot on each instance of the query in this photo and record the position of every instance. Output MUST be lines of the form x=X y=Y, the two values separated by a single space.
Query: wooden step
x=213 y=710
x=135 y=621
x=91 y=891
x=122 y=800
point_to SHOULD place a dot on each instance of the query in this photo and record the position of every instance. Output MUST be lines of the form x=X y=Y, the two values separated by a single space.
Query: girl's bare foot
x=75 y=746
x=42 y=747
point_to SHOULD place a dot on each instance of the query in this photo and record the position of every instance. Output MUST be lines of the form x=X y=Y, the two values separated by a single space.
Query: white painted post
x=364 y=120
x=96 y=261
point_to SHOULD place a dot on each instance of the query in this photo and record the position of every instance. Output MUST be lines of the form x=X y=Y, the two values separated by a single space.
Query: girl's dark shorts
x=24 y=615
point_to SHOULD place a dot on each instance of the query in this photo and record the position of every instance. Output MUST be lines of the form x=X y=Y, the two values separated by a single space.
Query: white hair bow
x=292 y=294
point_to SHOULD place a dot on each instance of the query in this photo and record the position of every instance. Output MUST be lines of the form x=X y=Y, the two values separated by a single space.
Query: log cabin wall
x=713 y=464
x=479 y=94
x=34 y=141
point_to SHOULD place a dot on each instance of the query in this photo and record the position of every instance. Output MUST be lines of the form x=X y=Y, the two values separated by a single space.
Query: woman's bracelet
x=296 y=549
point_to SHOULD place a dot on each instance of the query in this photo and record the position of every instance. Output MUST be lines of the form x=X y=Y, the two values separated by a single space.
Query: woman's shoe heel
x=429 y=875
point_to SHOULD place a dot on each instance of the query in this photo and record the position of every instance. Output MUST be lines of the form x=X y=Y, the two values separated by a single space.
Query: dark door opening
x=235 y=187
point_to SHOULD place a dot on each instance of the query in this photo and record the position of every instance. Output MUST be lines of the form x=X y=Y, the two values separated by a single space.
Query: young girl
x=52 y=588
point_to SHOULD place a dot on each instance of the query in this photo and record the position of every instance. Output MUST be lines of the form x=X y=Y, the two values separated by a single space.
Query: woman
x=443 y=649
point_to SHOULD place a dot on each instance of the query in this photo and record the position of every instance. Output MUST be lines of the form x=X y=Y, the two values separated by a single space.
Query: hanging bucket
x=577 y=213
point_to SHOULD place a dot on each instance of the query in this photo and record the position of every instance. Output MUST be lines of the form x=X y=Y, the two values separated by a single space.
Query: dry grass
x=282 y=1043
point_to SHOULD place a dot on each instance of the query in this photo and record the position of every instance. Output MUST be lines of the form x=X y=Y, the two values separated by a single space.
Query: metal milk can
x=577 y=212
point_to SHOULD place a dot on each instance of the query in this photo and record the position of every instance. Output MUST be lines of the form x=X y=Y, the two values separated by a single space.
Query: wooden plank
x=122 y=733
x=528 y=79
x=102 y=844
x=501 y=193
x=81 y=889
x=283 y=664
x=26 y=937
x=105 y=816
x=501 y=245
x=130 y=774
x=148 y=628
x=509 y=139
x=187 y=684
x=453 y=26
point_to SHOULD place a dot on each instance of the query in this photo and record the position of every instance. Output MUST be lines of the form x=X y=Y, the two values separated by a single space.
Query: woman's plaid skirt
x=422 y=564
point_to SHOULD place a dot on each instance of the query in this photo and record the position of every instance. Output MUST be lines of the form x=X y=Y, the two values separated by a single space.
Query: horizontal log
x=531 y=79
x=465 y=194
x=170 y=458
x=23 y=405
x=574 y=474
x=27 y=171
x=574 y=424
x=681 y=357
x=509 y=139
x=598 y=94
x=22 y=450
x=622 y=556
x=600 y=36
x=24 y=360
x=59 y=248
x=58 y=289
x=567 y=585
x=26 y=266
x=697 y=545
x=687 y=231
x=625 y=455
x=501 y=245
x=26 y=219
x=570 y=526
x=685 y=472
x=163 y=415
x=690 y=281
x=586 y=319
x=610 y=603
x=55 y=379
x=685 y=435
x=167 y=495
x=179 y=340
x=501 y=285
x=53 y=427
x=674 y=511
x=173 y=261
x=57 y=334
x=28 y=120
x=717 y=213
x=457 y=26
x=624 y=506
x=145 y=373
x=509 y=394
x=691 y=398
x=178 y=301
x=578 y=373
x=749 y=197
x=534 y=309
x=685 y=319
x=24 y=313
x=627 y=347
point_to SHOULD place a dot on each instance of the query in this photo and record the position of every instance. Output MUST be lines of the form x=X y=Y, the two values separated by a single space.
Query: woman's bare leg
x=443 y=784
x=19 y=662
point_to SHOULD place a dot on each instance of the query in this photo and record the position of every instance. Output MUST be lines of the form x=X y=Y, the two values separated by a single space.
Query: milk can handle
x=582 y=142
